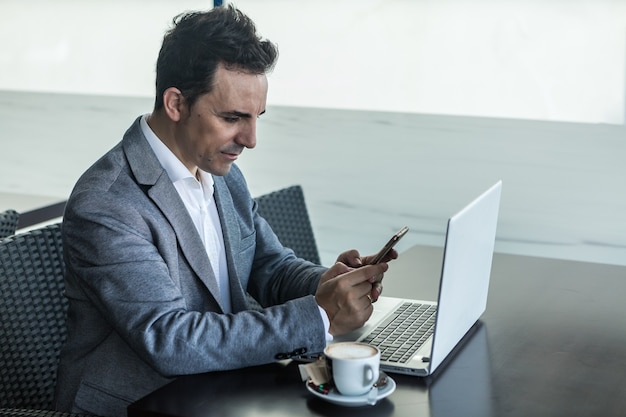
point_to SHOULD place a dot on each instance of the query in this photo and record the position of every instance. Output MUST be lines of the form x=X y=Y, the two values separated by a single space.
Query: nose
x=247 y=136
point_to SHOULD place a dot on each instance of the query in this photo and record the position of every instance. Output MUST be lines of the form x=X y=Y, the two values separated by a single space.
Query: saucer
x=335 y=397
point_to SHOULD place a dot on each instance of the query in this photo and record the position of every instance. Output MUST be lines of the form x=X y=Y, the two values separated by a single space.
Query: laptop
x=431 y=330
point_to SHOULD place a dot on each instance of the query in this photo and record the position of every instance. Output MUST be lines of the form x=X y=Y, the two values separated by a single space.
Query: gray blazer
x=143 y=302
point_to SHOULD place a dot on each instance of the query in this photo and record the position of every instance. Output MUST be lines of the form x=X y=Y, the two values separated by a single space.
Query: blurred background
x=560 y=60
x=387 y=112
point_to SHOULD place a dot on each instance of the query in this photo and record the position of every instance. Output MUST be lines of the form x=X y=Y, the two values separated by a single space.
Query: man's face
x=215 y=130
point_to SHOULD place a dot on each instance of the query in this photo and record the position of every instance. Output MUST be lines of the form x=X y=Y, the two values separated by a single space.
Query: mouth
x=231 y=156
x=231 y=153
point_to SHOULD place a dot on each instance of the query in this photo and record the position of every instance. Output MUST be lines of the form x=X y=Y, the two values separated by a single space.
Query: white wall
x=560 y=60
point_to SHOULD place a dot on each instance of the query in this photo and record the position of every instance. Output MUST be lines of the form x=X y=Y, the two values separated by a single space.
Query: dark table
x=551 y=343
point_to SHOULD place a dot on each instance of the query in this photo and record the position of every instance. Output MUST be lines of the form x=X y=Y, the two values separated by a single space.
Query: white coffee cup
x=354 y=366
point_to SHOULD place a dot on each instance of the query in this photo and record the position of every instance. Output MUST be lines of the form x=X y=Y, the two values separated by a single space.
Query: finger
x=334 y=271
x=377 y=290
x=393 y=254
x=366 y=301
x=375 y=279
x=366 y=273
x=351 y=258
x=373 y=292
x=367 y=295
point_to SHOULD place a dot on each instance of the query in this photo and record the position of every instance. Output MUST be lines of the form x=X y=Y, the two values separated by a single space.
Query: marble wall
x=365 y=174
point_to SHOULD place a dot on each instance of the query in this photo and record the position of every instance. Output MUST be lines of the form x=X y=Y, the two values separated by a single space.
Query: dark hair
x=199 y=41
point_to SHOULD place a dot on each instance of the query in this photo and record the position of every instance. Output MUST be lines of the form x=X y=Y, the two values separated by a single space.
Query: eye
x=231 y=119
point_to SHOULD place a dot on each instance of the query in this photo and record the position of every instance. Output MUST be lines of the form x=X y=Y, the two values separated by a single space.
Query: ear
x=174 y=104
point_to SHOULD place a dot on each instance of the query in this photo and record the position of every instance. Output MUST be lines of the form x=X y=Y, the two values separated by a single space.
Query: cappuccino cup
x=354 y=366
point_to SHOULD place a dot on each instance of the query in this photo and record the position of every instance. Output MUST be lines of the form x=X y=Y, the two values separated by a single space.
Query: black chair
x=22 y=412
x=32 y=321
x=8 y=222
x=285 y=210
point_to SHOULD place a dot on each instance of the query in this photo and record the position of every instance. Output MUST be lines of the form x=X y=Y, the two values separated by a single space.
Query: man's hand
x=353 y=259
x=345 y=295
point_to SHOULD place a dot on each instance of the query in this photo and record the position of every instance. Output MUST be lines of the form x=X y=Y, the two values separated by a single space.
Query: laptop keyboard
x=399 y=337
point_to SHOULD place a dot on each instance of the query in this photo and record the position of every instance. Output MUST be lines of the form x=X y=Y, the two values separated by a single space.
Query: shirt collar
x=175 y=169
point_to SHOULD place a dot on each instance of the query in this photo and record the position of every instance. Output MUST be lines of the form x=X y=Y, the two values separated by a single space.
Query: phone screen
x=390 y=244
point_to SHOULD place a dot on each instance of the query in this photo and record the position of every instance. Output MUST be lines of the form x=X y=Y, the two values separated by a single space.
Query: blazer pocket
x=94 y=400
x=244 y=257
x=247 y=242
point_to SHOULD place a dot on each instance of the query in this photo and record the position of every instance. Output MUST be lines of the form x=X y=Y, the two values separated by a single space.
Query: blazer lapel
x=231 y=233
x=149 y=172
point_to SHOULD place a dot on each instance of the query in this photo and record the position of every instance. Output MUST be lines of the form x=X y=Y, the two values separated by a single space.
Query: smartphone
x=387 y=248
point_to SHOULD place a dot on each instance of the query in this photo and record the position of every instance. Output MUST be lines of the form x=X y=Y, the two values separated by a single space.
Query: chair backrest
x=285 y=210
x=32 y=317
x=8 y=222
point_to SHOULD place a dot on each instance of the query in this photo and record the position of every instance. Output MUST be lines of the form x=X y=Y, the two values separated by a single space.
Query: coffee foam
x=350 y=351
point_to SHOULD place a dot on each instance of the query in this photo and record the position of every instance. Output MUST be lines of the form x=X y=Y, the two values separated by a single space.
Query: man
x=162 y=239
